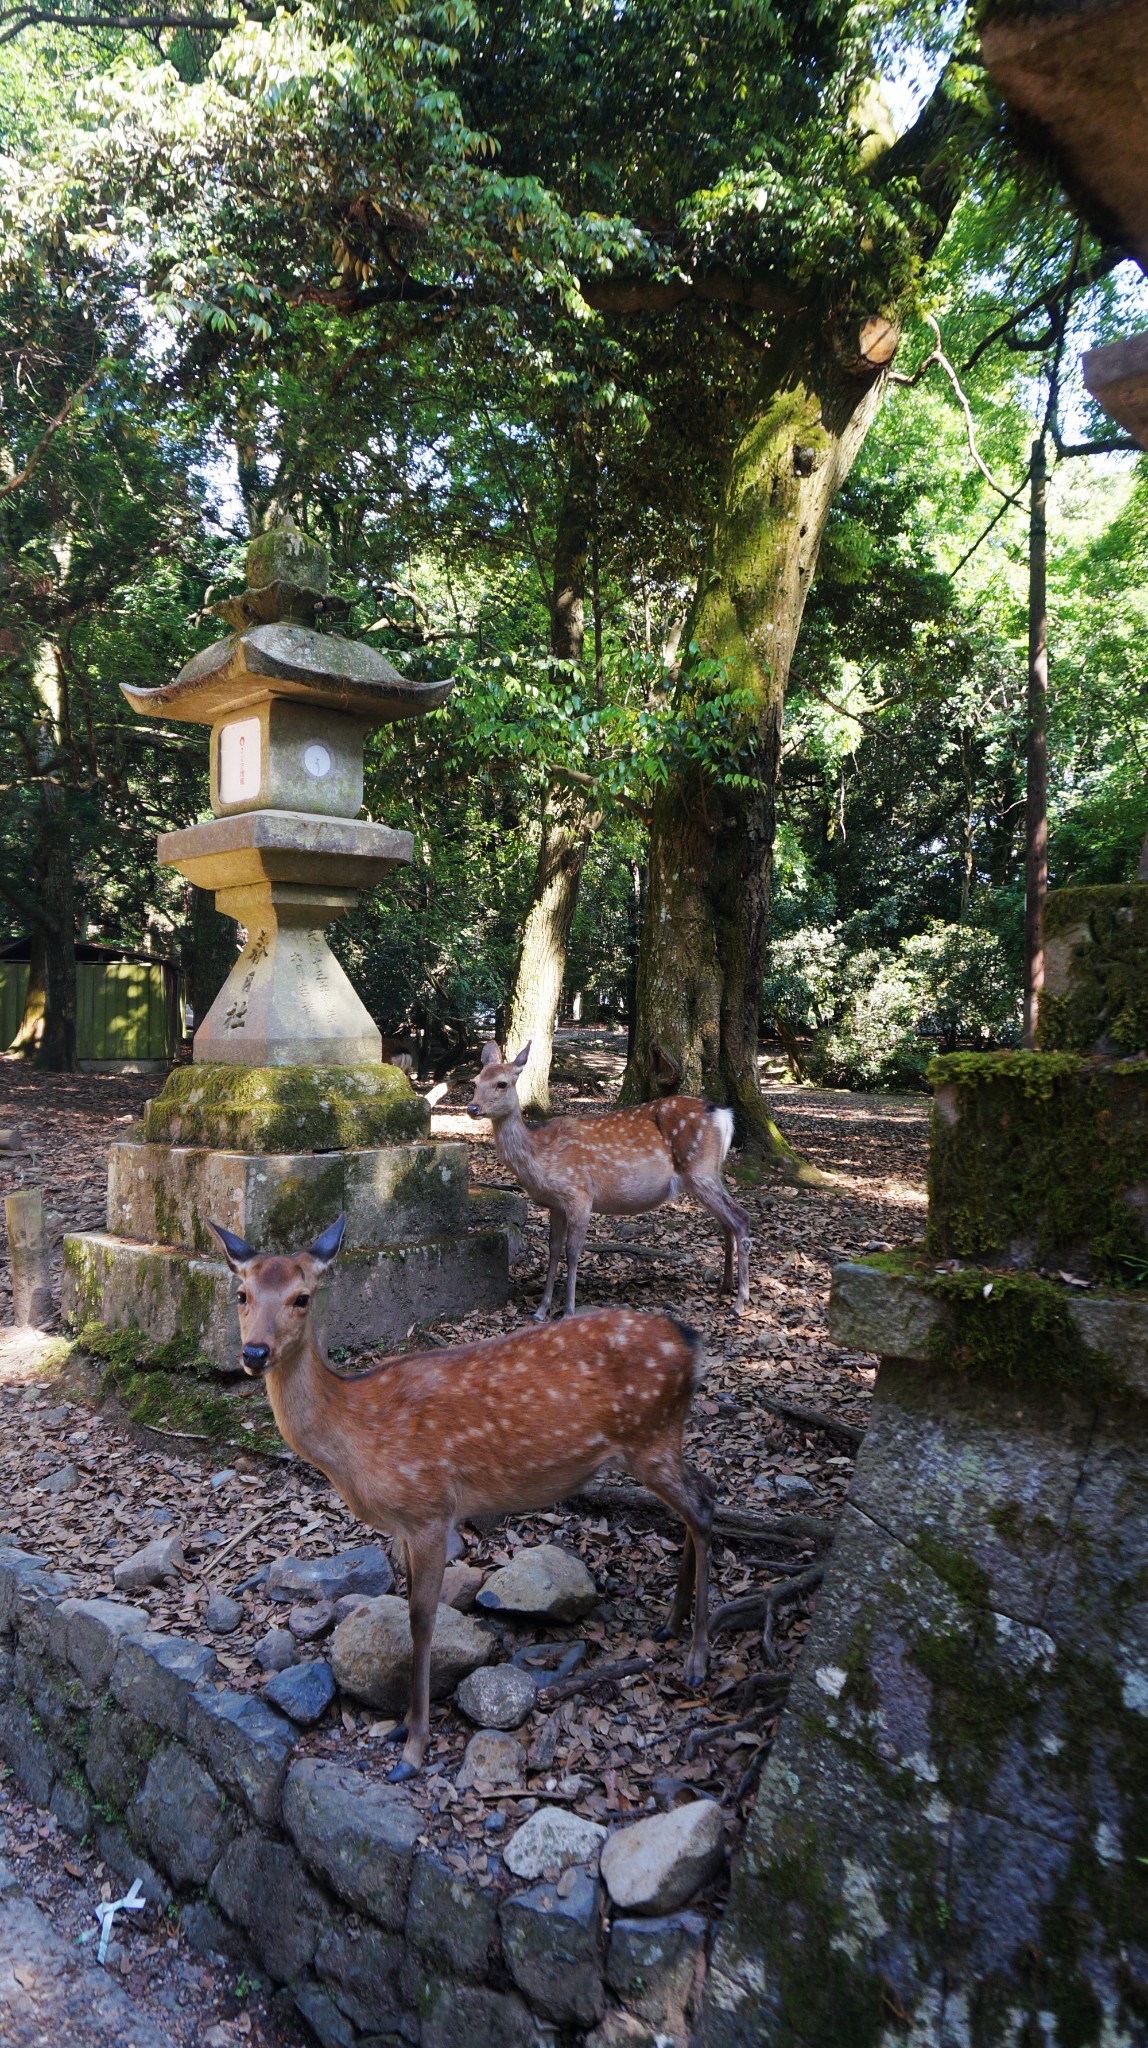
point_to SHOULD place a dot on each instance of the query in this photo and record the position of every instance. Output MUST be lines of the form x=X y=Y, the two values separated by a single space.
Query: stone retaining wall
x=299 y=1867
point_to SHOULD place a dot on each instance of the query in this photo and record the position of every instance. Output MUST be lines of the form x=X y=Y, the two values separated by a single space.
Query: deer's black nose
x=472 y=1109
x=255 y=1357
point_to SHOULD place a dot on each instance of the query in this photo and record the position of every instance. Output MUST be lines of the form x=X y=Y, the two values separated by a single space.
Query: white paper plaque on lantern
x=317 y=759
x=240 y=768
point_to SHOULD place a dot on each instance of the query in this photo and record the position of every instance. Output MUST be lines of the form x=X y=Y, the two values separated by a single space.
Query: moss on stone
x=171 y=1387
x=286 y=1109
x=303 y=1207
x=1040 y=1159
x=1019 y=1327
x=962 y=1574
x=1096 y=987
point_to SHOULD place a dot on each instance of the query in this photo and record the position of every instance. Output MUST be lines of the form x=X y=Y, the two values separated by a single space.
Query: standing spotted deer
x=417 y=1443
x=617 y=1165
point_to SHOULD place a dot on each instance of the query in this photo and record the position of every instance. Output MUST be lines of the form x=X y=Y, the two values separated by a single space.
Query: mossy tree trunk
x=711 y=843
x=569 y=815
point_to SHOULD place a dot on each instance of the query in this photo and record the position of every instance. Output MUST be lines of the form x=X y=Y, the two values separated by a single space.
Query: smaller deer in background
x=419 y=1442
x=619 y=1165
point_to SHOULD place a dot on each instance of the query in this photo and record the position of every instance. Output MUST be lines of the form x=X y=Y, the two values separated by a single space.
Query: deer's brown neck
x=317 y=1415
x=513 y=1144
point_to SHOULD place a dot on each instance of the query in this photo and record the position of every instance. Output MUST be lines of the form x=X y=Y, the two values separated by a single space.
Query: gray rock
x=452 y=1922
x=497 y=1696
x=219 y=1479
x=223 y=1614
x=65 y=1480
x=470 y=2016
x=35 y=1763
x=115 y=1848
x=208 y=1934
x=35 y=1614
x=93 y=1632
x=493 y=1760
x=359 y=1837
x=461 y=1584
x=547 y=1582
x=651 y=1964
x=304 y=1692
x=659 y=1863
x=262 y=1886
x=150 y=1566
x=6 y=1664
x=625 y=2030
x=155 y=1675
x=307 y=1623
x=15 y=1565
x=365 y=1570
x=72 y=1805
x=245 y=1746
x=371 y=1653
x=323 y=2016
x=348 y=1604
x=181 y=1815
x=791 y=1486
x=277 y=1651
x=550 y=1840
x=553 y=1947
x=118 y=1753
x=361 y=1971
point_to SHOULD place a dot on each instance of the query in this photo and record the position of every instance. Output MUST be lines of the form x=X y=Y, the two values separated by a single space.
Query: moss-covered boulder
x=1040 y=1159
x=286 y=1109
x=1095 y=971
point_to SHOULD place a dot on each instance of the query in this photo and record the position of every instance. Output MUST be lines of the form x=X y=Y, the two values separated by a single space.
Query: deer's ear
x=325 y=1248
x=523 y=1056
x=491 y=1054
x=234 y=1250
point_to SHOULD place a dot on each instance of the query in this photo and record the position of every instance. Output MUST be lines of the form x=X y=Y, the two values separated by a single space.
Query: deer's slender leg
x=665 y=1472
x=577 y=1227
x=557 y=1244
x=713 y=1195
x=427 y=1552
x=683 y=1593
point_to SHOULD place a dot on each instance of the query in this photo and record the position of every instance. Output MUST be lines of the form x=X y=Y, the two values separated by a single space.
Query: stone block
x=161 y=1194
x=1037 y=1159
x=472 y=2016
x=6 y=1666
x=262 y=1886
x=157 y=1562
x=182 y=1816
x=452 y=1922
x=552 y=1839
x=208 y=1934
x=155 y=1675
x=1095 y=995
x=499 y=1209
x=34 y=1613
x=323 y=2016
x=245 y=1746
x=359 y=1837
x=35 y=1762
x=92 y=1633
x=114 y=1846
x=653 y=1964
x=545 y=1582
x=286 y=1109
x=361 y=1972
x=15 y=1565
x=61 y=1703
x=119 y=1751
x=71 y=1802
x=552 y=1942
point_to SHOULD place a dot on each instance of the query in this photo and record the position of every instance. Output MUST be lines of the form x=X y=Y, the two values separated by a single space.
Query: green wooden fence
x=124 y=1010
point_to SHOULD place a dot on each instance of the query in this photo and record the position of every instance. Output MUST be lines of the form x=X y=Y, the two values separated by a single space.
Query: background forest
x=571 y=333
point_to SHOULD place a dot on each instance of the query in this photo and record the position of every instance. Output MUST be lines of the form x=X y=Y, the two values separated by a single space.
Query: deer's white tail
x=722 y=1120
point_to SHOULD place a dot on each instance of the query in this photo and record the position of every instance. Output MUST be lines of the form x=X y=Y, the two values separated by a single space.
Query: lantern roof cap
x=288 y=660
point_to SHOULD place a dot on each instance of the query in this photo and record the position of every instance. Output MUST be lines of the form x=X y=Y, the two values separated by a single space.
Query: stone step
x=282 y=1201
x=52 y=1991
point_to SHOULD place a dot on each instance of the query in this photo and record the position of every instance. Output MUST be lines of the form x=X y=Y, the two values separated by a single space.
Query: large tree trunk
x=711 y=843
x=57 y=1049
x=28 y=1039
x=569 y=816
x=212 y=952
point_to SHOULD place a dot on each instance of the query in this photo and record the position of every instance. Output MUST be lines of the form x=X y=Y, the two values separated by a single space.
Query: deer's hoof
x=540 y=1315
x=402 y=1771
x=664 y=1634
x=398 y=1734
x=694 y=1674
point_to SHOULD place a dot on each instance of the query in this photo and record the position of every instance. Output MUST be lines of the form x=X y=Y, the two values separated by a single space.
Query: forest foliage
x=394 y=271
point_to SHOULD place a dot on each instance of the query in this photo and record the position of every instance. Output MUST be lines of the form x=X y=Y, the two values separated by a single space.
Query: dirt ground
x=618 y=1748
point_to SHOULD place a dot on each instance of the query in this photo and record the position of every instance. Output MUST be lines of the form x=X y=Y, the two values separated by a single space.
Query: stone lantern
x=287 y=1114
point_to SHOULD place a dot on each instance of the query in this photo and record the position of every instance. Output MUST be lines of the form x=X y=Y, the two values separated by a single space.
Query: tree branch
x=937 y=355
x=52 y=428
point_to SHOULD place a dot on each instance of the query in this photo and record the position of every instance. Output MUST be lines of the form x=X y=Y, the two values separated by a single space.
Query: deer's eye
x=500 y=1084
x=241 y=1297
x=301 y=1301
